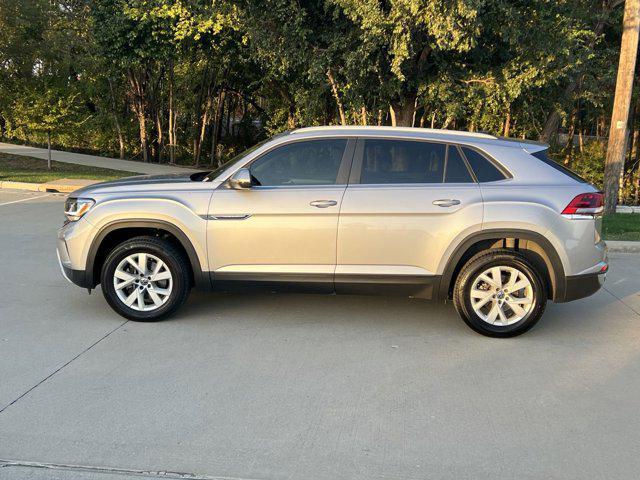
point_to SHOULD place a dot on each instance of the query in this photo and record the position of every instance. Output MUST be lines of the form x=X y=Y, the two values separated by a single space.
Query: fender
x=201 y=279
x=554 y=264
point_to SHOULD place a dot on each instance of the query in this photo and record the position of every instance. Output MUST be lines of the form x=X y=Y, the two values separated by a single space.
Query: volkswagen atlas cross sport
x=489 y=223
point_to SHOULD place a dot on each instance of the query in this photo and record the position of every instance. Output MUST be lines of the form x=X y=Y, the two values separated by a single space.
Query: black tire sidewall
x=169 y=256
x=474 y=268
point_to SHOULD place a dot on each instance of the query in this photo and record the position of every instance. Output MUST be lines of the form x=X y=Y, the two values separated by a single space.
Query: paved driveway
x=94 y=160
x=304 y=387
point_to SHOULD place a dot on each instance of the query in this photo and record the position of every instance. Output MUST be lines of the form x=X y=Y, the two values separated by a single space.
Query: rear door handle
x=323 y=203
x=446 y=202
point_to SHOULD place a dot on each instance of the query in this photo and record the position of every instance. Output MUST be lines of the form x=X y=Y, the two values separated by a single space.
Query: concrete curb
x=617 y=246
x=64 y=185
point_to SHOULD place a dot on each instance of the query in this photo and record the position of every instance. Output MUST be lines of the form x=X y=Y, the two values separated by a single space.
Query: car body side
x=521 y=212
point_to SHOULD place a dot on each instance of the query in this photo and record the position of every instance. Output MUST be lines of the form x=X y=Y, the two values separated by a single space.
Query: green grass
x=16 y=168
x=621 y=226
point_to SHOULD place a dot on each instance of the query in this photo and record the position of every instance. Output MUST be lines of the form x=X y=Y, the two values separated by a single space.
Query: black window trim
x=358 y=159
x=343 y=170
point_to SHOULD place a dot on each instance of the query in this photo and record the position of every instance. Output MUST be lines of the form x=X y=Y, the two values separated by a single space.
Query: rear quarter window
x=543 y=156
x=483 y=168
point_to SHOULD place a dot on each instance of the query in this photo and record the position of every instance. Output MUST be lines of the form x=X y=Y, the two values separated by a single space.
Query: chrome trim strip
x=226 y=217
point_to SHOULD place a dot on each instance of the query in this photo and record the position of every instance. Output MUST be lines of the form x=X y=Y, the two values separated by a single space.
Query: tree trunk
x=552 y=123
x=115 y=118
x=568 y=148
x=48 y=149
x=137 y=82
x=402 y=112
x=363 y=115
x=217 y=127
x=507 y=124
x=160 y=134
x=336 y=96
x=142 y=123
x=172 y=120
x=620 y=116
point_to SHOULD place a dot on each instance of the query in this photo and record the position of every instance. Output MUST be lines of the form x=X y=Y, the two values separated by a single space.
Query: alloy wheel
x=143 y=282
x=502 y=295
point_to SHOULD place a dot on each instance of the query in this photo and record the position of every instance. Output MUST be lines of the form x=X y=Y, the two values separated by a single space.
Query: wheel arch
x=537 y=248
x=121 y=230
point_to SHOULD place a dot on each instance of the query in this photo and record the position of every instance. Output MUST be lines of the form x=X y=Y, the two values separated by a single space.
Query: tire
x=160 y=298
x=505 y=313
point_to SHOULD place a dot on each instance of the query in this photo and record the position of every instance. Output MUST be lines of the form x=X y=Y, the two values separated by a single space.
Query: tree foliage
x=193 y=81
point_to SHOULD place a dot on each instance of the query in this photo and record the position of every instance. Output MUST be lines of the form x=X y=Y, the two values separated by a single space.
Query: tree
x=620 y=117
x=49 y=111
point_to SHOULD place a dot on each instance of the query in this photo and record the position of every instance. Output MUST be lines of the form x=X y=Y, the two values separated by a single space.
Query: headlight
x=75 y=208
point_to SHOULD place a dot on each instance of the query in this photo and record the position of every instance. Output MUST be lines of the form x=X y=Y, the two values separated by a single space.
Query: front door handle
x=323 y=203
x=446 y=202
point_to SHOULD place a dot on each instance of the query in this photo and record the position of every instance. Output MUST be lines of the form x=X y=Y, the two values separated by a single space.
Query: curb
x=54 y=187
x=617 y=246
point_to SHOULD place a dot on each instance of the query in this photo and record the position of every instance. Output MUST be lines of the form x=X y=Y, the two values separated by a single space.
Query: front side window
x=312 y=162
x=405 y=161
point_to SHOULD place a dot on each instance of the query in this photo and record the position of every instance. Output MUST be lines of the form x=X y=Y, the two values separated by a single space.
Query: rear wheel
x=145 y=279
x=499 y=293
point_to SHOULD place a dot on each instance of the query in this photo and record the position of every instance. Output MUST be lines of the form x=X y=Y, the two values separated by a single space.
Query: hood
x=141 y=183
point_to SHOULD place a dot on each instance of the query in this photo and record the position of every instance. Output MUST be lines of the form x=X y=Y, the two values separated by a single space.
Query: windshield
x=213 y=174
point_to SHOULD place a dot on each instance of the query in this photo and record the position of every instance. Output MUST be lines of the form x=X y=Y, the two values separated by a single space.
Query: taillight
x=585 y=204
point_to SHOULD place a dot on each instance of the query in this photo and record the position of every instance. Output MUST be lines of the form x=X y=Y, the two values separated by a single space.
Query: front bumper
x=74 y=276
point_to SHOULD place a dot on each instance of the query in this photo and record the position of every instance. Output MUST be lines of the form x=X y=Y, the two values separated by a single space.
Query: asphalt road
x=304 y=387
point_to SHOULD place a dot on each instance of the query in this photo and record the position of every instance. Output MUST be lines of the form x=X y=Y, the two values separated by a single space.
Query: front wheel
x=499 y=293
x=145 y=279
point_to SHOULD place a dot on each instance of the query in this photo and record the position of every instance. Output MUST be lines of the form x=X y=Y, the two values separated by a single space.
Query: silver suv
x=490 y=223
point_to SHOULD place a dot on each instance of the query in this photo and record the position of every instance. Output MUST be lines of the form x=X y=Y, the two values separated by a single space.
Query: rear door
x=405 y=202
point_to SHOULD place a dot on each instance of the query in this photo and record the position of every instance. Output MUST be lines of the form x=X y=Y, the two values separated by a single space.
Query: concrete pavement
x=301 y=386
x=94 y=160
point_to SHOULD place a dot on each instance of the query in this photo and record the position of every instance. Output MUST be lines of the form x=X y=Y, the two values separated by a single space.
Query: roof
x=379 y=129
x=423 y=133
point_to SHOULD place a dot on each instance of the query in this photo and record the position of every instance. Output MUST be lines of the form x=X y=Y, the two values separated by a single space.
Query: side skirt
x=418 y=286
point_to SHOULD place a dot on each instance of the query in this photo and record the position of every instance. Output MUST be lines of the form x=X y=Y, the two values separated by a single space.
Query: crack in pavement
x=63 y=366
x=621 y=300
x=116 y=471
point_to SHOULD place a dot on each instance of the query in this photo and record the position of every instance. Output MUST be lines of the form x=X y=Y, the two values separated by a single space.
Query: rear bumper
x=581 y=286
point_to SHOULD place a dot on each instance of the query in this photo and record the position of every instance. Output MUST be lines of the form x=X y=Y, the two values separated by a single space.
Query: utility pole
x=614 y=165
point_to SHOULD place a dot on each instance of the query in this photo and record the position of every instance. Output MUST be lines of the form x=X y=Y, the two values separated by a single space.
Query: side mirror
x=241 y=179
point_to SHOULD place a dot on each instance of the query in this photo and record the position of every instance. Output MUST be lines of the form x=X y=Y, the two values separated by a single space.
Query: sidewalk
x=94 y=161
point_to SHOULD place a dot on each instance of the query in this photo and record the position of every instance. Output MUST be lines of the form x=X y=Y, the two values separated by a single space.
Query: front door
x=281 y=231
x=406 y=201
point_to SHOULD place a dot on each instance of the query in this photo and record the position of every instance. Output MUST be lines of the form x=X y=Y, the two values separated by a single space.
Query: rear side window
x=400 y=161
x=456 y=171
x=313 y=162
x=484 y=169
x=543 y=156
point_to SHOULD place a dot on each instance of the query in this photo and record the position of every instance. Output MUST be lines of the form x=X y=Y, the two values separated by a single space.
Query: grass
x=621 y=226
x=16 y=168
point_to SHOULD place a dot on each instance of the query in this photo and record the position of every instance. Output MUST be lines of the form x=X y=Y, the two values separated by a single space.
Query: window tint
x=314 y=162
x=542 y=155
x=456 y=171
x=398 y=161
x=485 y=170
